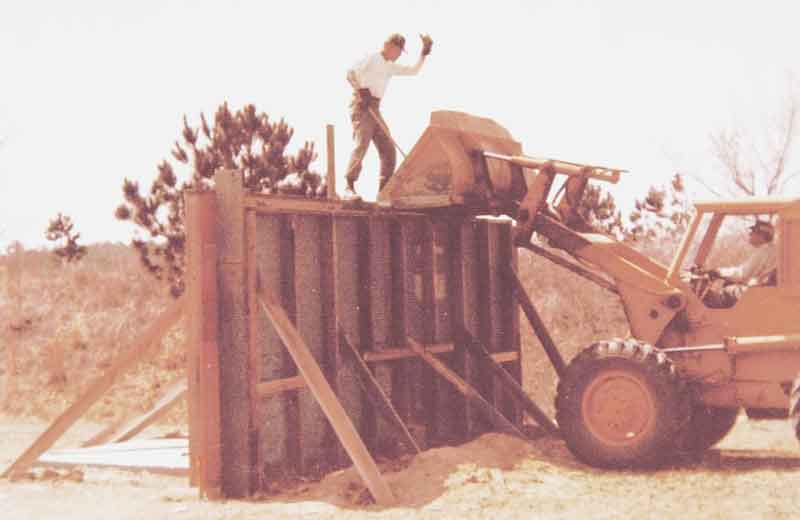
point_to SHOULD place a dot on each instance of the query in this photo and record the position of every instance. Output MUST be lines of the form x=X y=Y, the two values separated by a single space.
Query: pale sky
x=94 y=91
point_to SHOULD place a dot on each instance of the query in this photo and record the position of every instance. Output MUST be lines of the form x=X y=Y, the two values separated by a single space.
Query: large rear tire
x=707 y=426
x=621 y=404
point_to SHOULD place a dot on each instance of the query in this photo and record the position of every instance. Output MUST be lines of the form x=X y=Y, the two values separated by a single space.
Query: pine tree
x=665 y=212
x=61 y=228
x=244 y=141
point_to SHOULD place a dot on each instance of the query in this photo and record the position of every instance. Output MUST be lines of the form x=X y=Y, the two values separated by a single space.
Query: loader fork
x=534 y=202
x=570 y=202
x=566 y=209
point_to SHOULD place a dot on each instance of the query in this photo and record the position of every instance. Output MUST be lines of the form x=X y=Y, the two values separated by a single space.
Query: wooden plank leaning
x=96 y=390
x=374 y=391
x=129 y=428
x=328 y=401
x=171 y=397
x=536 y=322
x=103 y=435
x=491 y=413
x=516 y=391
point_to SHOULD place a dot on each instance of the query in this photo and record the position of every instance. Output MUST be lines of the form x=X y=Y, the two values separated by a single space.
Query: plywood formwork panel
x=287 y=299
x=380 y=317
x=500 y=301
x=332 y=349
x=273 y=430
x=486 y=317
x=464 y=283
x=233 y=334
x=346 y=254
x=416 y=372
x=309 y=323
x=401 y=370
x=448 y=401
x=256 y=339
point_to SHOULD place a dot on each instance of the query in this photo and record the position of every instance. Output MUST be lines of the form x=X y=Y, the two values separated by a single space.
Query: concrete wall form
x=378 y=276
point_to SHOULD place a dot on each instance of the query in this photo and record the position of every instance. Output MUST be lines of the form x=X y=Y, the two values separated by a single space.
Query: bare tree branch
x=760 y=165
x=785 y=148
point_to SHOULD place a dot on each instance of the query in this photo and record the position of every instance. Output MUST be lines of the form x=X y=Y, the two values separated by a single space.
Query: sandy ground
x=755 y=473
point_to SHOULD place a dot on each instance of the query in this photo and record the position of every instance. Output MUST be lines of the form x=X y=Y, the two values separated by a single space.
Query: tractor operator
x=369 y=78
x=759 y=269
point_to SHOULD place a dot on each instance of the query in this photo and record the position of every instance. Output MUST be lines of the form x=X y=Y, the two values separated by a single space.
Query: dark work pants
x=367 y=130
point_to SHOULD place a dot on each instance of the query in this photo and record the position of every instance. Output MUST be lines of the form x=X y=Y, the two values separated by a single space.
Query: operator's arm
x=733 y=273
x=404 y=70
x=762 y=260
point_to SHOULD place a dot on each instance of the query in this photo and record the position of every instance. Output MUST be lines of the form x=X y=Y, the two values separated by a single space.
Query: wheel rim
x=618 y=407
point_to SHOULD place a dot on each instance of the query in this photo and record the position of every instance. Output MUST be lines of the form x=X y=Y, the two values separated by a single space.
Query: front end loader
x=679 y=382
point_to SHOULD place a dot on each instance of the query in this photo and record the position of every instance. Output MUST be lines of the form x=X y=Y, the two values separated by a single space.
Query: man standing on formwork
x=369 y=78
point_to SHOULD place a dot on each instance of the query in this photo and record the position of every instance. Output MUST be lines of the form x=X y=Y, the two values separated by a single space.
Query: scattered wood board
x=100 y=386
x=170 y=456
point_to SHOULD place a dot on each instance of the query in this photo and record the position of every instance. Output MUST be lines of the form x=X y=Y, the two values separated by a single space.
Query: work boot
x=350 y=194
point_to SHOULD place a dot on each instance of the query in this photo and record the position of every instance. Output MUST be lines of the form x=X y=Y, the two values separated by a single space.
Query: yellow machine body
x=742 y=356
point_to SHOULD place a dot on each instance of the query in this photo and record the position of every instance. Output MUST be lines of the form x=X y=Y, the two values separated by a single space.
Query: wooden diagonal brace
x=491 y=413
x=323 y=393
x=129 y=428
x=516 y=391
x=536 y=322
x=171 y=397
x=374 y=391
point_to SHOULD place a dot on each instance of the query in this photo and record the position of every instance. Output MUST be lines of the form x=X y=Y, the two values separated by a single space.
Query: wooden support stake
x=515 y=390
x=537 y=324
x=327 y=400
x=152 y=336
x=203 y=349
x=374 y=391
x=492 y=414
x=331 y=173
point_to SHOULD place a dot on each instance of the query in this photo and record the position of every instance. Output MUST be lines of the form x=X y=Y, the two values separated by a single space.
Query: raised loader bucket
x=445 y=167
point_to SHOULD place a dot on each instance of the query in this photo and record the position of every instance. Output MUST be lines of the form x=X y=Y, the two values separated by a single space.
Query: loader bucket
x=444 y=169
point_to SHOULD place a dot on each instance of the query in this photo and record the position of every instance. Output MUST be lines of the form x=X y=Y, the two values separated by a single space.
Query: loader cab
x=718 y=236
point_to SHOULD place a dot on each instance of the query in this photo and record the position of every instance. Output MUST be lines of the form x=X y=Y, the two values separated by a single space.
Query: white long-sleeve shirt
x=763 y=260
x=374 y=71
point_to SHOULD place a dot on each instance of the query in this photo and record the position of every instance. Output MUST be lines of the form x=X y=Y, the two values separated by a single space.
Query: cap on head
x=765 y=227
x=397 y=40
